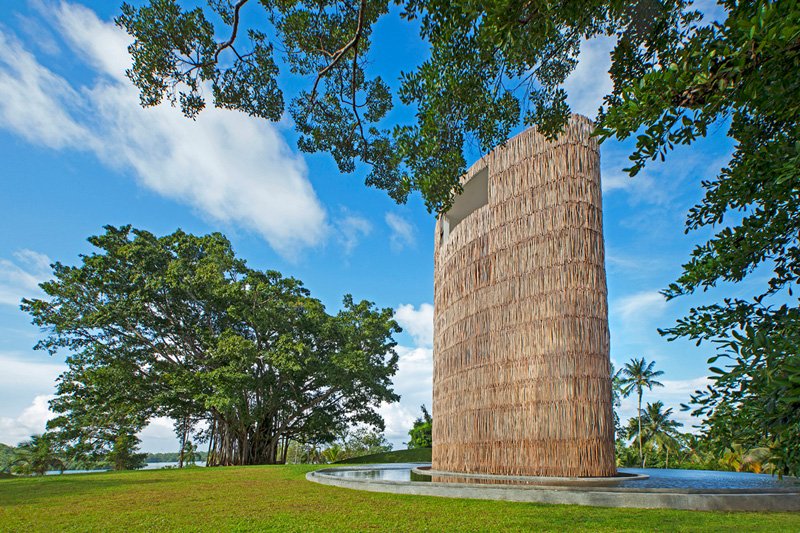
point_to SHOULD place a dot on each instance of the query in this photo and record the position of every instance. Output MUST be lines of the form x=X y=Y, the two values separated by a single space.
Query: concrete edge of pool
x=617 y=480
x=644 y=498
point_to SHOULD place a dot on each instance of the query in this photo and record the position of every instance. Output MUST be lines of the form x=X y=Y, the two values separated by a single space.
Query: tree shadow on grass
x=29 y=491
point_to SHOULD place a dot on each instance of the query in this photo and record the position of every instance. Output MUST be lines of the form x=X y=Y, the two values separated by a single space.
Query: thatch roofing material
x=521 y=348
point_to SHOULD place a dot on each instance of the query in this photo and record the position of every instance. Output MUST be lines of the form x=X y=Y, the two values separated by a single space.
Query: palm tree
x=657 y=428
x=635 y=376
x=333 y=453
x=695 y=451
x=36 y=456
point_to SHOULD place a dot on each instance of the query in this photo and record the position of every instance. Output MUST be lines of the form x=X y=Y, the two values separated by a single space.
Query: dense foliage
x=36 y=456
x=653 y=438
x=742 y=70
x=655 y=427
x=6 y=458
x=356 y=442
x=178 y=326
x=422 y=432
x=123 y=454
x=173 y=457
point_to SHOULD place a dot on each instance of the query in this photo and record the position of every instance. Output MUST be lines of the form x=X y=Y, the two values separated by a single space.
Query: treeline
x=40 y=454
x=352 y=443
x=173 y=457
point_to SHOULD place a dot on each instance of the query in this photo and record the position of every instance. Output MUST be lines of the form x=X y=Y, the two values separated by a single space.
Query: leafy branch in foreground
x=740 y=70
x=493 y=66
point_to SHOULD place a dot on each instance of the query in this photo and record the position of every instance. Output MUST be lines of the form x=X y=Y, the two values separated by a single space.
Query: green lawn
x=279 y=498
x=417 y=455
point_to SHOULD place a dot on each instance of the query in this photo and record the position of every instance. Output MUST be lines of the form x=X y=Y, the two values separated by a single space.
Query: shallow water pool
x=660 y=478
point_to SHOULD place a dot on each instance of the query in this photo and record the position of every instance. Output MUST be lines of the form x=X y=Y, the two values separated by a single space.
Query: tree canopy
x=36 y=456
x=178 y=326
x=656 y=428
x=422 y=432
x=493 y=66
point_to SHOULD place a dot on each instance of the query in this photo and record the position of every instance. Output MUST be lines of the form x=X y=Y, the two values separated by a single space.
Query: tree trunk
x=284 y=450
x=211 y=455
x=184 y=427
x=639 y=416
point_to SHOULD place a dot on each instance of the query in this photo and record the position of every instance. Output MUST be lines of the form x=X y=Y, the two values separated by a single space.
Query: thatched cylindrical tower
x=521 y=381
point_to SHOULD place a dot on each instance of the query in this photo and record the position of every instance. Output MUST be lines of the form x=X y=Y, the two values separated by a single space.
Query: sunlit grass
x=280 y=498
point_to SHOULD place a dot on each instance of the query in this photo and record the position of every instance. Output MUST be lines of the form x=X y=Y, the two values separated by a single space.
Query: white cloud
x=34 y=101
x=402 y=232
x=618 y=180
x=646 y=304
x=23 y=380
x=399 y=420
x=647 y=187
x=414 y=378
x=25 y=373
x=20 y=278
x=415 y=374
x=36 y=33
x=590 y=82
x=350 y=230
x=417 y=322
x=414 y=383
x=31 y=421
x=631 y=264
x=102 y=44
x=230 y=167
x=159 y=436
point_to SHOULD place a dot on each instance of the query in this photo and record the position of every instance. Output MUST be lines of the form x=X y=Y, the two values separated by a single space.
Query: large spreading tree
x=178 y=326
x=497 y=64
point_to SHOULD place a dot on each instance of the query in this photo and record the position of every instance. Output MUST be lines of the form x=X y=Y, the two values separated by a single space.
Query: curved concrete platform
x=454 y=477
x=774 y=499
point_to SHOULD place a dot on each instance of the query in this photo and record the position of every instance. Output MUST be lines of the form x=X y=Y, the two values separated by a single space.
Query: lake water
x=148 y=466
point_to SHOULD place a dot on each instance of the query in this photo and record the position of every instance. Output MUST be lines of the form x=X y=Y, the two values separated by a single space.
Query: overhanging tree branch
x=234 y=31
x=340 y=53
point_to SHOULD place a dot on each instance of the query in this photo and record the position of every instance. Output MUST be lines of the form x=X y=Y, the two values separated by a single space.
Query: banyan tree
x=178 y=326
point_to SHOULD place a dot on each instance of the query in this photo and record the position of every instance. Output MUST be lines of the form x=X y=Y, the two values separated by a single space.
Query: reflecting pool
x=659 y=478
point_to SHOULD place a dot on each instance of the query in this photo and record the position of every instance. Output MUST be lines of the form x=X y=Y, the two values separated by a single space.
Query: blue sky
x=77 y=153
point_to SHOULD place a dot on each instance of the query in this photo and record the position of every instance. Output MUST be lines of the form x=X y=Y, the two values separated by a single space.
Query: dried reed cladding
x=521 y=348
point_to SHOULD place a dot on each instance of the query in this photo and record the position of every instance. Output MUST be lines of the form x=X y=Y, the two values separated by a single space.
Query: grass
x=417 y=455
x=279 y=498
